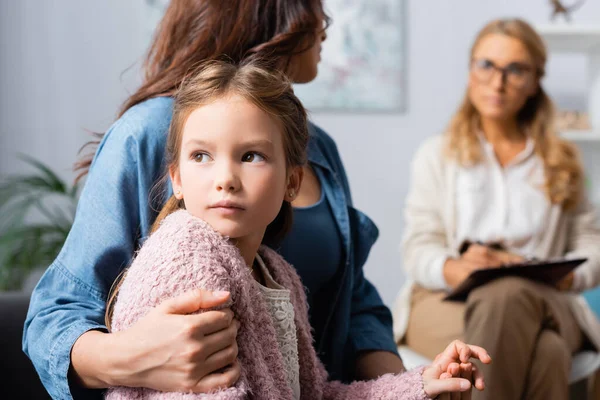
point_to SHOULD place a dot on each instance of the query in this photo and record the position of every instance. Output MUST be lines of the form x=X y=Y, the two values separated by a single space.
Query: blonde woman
x=501 y=175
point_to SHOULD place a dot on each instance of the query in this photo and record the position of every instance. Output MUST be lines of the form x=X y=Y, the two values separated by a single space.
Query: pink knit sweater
x=186 y=253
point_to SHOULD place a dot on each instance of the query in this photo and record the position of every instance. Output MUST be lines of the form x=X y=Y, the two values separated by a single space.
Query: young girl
x=235 y=152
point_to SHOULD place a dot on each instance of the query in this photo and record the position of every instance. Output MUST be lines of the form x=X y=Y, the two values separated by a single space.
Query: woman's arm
x=371 y=341
x=182 y=258
x=424 y=245
x=112 y=212
x=70 y=297
x=146 y=357
x=371 y=337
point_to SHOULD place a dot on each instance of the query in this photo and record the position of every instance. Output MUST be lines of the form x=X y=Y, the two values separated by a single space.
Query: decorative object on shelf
x=572 y=120
x=580 y=39
x=363 y=59
x=560 y=9
x=36 y=214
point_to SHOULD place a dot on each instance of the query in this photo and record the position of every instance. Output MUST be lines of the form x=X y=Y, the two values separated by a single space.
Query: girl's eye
x=201 y=157
x=252 y=157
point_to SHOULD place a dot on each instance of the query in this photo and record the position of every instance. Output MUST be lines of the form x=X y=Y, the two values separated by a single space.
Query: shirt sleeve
x=424 y=245
x=70 y=297
x=408 y=385
x=370 y=320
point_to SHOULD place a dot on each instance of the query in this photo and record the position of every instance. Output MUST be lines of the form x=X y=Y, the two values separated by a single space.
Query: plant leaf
x=26 y=245
x=47 y=175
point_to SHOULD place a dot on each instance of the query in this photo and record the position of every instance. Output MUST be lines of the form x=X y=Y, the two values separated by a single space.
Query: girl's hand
x=452 y=368
x=462 y=370
x=458 y=352
x=439 y=384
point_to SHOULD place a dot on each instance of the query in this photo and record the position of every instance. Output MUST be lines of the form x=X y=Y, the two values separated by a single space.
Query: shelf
x=571 y=38
x=581 y=136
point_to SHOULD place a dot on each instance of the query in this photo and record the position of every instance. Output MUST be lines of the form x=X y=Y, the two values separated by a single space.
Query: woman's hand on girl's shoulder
x=171 y=350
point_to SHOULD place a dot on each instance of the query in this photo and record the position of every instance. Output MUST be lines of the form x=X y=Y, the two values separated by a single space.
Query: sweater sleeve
x=584 y=236
x=406 y=386
x=177 y=258
x=424 y=245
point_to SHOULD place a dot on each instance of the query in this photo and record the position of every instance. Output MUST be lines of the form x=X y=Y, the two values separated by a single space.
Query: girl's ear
x=294 y=181
x=176 y=182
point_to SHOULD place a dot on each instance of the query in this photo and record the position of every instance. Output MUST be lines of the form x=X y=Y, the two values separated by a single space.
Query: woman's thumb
x=194 y=300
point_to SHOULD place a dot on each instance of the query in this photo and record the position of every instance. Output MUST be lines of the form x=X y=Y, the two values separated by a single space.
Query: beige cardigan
x=430 y=233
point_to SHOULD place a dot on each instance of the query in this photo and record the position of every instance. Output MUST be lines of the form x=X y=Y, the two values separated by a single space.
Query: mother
x=65 y=335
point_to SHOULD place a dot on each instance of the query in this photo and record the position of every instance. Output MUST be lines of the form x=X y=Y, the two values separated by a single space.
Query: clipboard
x=549 y=272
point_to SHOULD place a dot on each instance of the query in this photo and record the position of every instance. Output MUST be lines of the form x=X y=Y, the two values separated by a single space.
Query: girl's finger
x=435 y=387
x=466 y=372
x=453 y=369
x=478 y=378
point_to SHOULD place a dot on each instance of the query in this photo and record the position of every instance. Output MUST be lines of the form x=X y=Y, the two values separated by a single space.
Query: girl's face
x=502 y=77
x=232 y=168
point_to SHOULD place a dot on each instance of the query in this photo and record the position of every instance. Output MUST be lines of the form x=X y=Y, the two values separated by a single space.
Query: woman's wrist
x=449 y=271
x=372 y=364
x=98 y=362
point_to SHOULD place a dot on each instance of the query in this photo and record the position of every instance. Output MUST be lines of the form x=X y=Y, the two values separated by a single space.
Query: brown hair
x=271 y=91
x=563 y=169
x=194 y=31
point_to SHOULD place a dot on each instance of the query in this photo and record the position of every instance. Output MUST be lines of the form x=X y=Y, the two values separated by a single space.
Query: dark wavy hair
x=194 y=31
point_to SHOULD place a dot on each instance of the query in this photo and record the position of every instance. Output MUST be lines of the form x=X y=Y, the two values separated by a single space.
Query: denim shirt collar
x=314 y=153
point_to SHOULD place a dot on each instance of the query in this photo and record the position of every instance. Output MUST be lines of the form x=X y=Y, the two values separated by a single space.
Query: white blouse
x=503 y=204
x=279 y=306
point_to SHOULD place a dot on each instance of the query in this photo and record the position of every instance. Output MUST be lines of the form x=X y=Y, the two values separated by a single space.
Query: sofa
x=15 y=367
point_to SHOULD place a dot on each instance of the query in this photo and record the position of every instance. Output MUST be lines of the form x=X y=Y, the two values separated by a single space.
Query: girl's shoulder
x=182 y=230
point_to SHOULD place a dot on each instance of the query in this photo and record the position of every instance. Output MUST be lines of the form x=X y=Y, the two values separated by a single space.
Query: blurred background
x=66 y=66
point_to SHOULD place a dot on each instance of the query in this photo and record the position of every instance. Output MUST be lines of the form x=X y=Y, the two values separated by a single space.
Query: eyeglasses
x=516 y=74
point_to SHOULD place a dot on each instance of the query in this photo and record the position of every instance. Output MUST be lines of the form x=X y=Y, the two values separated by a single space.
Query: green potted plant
x=36 y=214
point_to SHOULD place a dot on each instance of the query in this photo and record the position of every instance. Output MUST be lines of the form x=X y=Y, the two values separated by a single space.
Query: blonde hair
x=269 y=90
x=562 y=165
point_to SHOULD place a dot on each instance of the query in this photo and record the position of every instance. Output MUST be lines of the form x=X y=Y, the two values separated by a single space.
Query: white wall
x=62 y=61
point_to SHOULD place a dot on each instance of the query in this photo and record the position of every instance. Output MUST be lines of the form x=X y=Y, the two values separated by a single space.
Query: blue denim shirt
x=115 y=211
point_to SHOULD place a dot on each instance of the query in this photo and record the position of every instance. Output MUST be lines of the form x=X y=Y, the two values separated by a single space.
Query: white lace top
x=281 y=310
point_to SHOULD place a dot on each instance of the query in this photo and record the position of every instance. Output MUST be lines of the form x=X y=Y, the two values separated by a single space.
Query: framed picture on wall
x=362 y=65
